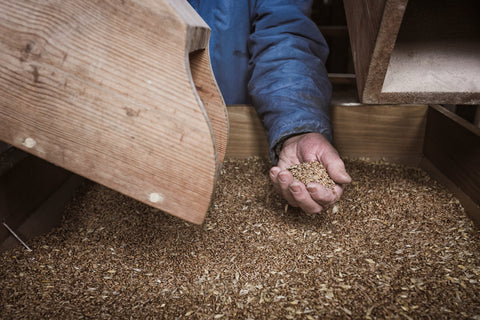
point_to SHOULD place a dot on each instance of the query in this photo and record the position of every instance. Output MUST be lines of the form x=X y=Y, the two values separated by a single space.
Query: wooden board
x=209 y=94
x=43 y=217
x=415 y=51
x=453 y=146
x=363 y=21
x=247 y=135
x=394 y=133
x=471 y=208
x=104 y=89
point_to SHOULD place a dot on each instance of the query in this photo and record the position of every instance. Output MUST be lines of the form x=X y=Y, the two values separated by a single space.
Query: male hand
x=314 y=197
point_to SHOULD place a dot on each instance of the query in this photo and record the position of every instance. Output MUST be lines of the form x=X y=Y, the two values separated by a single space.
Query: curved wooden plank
x=103 y=89
x=209 y=93
x=203 y=79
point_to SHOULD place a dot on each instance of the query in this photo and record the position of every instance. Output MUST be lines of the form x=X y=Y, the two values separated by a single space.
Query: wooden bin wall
x=416 y=51
x=429 y=137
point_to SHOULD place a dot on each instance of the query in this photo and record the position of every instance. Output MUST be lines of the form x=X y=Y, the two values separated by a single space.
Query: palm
x=306 y=148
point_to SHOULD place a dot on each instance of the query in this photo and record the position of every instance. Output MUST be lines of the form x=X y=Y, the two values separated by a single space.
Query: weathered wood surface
x=104 y=89
x=415 y=51
x=394 y=133
x=247 y=135
x=453 y=145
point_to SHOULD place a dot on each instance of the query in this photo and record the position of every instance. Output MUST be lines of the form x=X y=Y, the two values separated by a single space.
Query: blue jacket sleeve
x=289 y=85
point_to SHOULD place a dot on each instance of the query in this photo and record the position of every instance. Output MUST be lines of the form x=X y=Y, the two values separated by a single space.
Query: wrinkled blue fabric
x=270 y=54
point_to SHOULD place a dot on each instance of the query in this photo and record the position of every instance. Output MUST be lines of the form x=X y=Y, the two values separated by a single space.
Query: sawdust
x=398 y=246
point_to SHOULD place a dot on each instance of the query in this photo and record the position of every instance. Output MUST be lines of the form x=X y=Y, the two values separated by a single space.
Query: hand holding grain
x=312 y=197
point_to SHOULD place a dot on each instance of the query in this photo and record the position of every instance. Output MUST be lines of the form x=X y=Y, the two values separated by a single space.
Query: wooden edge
x=363 y=22
x=384 y=45
x=342 y=79
x=457 y=119
x=247 y=135
x=453 y=146
x=209 y=96
x=46 y=216
x=391 y=133
x=471 y=207
x=198 y=31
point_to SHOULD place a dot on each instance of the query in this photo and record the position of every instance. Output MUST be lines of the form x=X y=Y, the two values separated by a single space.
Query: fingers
x=303 y=198
x=296 y=193
x=307 y=148
x=281 y=180
x=324 y=196
x=335 y=167
x=314 y=146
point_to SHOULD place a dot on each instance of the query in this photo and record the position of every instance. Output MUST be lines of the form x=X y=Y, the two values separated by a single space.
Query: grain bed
x=397 y=245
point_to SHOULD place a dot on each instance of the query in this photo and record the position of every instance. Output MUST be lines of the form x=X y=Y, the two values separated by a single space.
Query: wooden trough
x=148 y=147
x=119 y=92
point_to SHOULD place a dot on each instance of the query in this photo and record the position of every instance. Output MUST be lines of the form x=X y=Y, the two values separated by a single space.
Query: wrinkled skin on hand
x=314 y=197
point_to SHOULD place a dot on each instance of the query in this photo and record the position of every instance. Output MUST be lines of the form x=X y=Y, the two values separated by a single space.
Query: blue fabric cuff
x=277 y=135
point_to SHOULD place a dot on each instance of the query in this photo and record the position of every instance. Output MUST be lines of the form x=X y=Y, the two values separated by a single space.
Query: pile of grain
x=398 y=246
x=312 y=172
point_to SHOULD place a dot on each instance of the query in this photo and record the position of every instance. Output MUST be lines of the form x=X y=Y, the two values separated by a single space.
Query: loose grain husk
x=398 y=246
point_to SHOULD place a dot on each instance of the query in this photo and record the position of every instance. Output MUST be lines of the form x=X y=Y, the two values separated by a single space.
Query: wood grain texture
x=209 y=93
x=453 y=145
x=104 y=89
x=247 y=135
x=393 y=133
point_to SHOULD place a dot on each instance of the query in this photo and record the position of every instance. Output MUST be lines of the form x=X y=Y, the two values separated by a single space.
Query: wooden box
x=415 y=51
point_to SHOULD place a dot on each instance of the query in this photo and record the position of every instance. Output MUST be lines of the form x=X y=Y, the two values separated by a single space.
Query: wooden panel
x=47 y=215
x=453 y=145
x=104 y=90
x=472 y=209
x=363 y=19
x=209 y=93
x=394 y=133
x=247 y=135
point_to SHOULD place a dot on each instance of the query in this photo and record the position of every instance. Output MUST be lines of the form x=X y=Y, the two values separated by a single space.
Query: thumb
x=336 y=168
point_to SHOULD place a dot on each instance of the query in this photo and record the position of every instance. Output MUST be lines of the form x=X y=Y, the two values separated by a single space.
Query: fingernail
x=282 y=177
